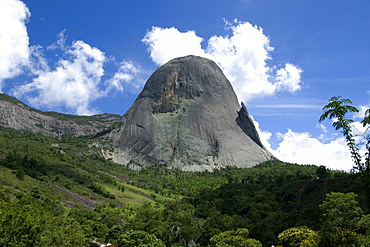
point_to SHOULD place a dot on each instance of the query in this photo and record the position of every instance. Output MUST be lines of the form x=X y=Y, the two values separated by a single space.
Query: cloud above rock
x=165 y=44
x=242 y=55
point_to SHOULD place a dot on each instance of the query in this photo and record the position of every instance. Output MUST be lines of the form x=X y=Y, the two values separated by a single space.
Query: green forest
x=62 y=192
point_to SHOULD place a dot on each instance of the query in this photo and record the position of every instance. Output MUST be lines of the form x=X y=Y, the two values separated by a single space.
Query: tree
x=32 y=222
x=20 y=174
x=294 y=237
x=322 y=172
x=342 y=225
x=340 y=220
x=337 y=108
x=139 y=238
x=365 y=168
x=36 y=192
x=238 y=238
x=150 y=219
x=340 y=211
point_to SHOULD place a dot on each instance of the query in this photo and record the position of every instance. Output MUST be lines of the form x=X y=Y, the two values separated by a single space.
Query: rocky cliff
x=187 y=116
x=14 y=114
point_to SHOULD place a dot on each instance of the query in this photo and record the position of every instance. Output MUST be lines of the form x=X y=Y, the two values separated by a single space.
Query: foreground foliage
x=297 y=236
x=238 y=238
x=342 y=224
x=139 y=238
x=29 y=222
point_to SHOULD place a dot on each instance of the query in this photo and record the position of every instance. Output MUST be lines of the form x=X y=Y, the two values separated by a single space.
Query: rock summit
x=188 y=117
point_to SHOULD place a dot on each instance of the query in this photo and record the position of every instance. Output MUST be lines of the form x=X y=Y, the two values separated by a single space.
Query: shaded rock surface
x=14 y=114
x=187 y=116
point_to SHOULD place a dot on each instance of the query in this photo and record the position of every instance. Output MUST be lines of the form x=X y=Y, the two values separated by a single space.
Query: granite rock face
x=14 y=114
x=188 y=117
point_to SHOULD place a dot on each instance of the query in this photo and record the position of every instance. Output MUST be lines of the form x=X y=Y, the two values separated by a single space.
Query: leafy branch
x=336 y=109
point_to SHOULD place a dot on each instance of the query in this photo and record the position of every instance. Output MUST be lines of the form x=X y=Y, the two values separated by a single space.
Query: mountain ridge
x=17 y=115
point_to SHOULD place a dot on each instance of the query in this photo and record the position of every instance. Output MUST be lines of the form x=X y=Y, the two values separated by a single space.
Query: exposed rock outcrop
x=14 y=114
x=187 y=116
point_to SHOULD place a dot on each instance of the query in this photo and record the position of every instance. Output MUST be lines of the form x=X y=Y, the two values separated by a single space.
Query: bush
x=139 y=238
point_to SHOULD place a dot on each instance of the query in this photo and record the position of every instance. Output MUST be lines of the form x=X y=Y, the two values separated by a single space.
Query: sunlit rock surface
x=15 y=114
x=188 y=117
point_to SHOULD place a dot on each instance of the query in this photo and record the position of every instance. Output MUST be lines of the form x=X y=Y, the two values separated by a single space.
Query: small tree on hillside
x=294 y=237
x=336 y=109
x=340 y=220
x=139 y=238
x=238 y=238
x=340 y=211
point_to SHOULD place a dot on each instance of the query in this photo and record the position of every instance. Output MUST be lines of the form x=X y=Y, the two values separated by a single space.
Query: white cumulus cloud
x=168 y=43
x=302 y=148
x=126 y=74
x=288 y=78
x=74 y=80
x=14 y=52
x=73 y=83
x=242 y=55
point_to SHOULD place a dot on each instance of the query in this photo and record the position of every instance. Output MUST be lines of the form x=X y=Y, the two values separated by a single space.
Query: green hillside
x=63 y=193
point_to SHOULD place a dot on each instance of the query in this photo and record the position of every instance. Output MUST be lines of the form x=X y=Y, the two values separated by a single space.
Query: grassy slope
x=72 y=167
x=132 y=195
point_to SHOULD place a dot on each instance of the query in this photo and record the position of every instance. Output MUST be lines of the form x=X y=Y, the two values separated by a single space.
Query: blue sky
x=284 y=58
